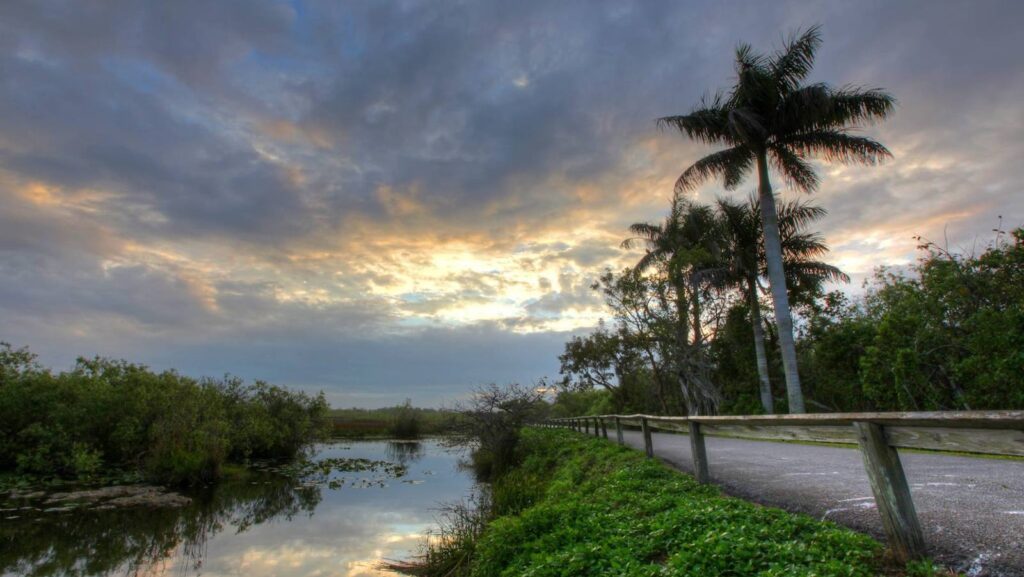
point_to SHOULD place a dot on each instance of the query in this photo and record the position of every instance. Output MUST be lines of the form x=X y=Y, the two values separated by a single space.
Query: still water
x=342 y=525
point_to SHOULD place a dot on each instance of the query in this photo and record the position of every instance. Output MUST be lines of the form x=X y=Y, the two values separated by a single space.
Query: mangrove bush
x=107 y=415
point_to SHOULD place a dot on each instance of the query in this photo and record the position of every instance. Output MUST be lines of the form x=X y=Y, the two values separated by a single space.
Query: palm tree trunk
x=698 y=333
x=777 y=280
x=682 y=316
x=762 y=356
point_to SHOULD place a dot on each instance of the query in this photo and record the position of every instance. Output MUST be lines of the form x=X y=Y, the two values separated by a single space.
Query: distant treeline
x=401 y=421
x=107 y=416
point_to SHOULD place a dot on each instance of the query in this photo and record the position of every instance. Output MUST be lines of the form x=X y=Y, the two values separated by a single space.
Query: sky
x=389 y=200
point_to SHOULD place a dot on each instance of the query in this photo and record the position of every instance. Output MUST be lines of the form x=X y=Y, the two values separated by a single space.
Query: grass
x=579 y=506
x=391 y=422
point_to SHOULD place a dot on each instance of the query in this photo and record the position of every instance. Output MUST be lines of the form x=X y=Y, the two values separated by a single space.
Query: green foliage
x=949 y=335
x=390 y=421
x=736 y=364
x=583 y=402
x=926 y=568
x=579 y=506
x=835 y=339
x=106 y=415
x=406 y=422
x=945 y=334
x=492 y=420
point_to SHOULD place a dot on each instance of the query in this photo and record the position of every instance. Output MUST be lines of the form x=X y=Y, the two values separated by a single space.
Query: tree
x=596 y=360
x=493 y=417
x=745 y=262
x=682 y=249
x=771 y=119
x=645 y=324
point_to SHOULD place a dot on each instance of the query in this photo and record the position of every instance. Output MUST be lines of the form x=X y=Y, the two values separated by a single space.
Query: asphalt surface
x=971 y=509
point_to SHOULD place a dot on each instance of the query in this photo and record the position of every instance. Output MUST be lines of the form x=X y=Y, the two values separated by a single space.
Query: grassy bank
x=582 y=506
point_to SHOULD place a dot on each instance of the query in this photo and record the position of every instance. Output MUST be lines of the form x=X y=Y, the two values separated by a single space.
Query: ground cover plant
x=581 y=506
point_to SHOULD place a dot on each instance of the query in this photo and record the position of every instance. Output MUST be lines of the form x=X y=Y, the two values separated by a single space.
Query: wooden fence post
x=648 y=443
x=604 y=428
x=699 y=453
x=892 y=493
x=618 y=431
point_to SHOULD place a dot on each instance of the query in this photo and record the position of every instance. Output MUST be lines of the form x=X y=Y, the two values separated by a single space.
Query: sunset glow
x=337 y=197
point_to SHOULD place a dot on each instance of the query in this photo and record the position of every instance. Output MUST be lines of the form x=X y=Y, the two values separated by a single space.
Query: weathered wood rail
x=878 y=435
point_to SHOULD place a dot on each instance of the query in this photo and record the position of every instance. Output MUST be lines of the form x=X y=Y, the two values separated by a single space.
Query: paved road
x=971 y=510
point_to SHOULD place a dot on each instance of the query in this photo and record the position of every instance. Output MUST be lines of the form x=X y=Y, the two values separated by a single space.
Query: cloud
x=330 y=194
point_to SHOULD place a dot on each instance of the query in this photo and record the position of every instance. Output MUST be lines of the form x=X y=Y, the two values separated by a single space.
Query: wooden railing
x=878 y=435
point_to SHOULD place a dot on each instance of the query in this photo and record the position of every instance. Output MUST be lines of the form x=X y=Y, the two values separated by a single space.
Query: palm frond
x=794 y=62
x=803 y=245
x=797 y=171
x=647 y=261
x=856 y=105
x=808 y=271
x=794 y=214
x=747 y=59
x=645 y=231
x=747 y=126
x=731 y=164
x=821 y=107
x=715 y=276
x=804 y=108
x=835 y=146
x=708 y=123
x=754 y=82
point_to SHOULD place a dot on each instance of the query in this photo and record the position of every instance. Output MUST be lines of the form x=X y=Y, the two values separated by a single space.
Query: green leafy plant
x=105 y=418
x=577 y=506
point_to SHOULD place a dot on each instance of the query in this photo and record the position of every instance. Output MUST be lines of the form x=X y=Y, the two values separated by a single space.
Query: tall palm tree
x=771 y=119
x=744 y=263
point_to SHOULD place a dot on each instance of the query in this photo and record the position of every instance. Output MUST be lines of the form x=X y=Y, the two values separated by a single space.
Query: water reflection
x=404 y=452
x=262 y=526
x=134 y=540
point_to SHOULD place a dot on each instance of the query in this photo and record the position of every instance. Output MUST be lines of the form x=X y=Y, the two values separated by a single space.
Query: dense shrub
x=492 y=421
x=405 y=424
x=106 y=414
x=949 y=335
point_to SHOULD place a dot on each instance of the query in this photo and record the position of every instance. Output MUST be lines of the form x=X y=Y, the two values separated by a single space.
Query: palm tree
x=745 y=262
x=685 y=245
x=771 y=119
